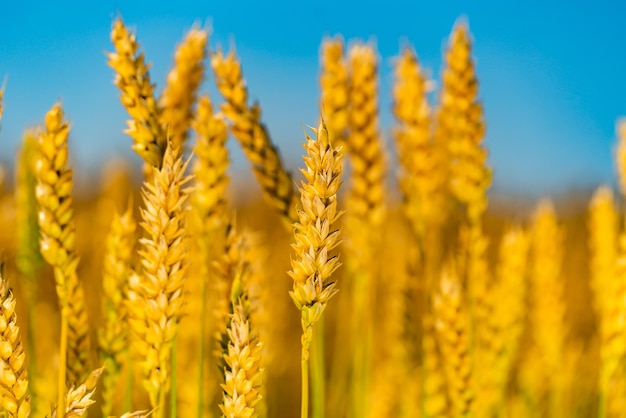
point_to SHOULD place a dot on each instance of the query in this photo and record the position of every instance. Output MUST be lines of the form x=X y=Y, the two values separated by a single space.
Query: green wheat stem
x=318 y=370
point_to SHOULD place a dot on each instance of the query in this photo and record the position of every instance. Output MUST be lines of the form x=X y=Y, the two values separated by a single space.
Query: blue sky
x=552 y=76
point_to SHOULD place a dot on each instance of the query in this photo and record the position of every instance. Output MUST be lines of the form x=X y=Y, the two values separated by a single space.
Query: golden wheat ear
x=253 y=136
x=15 y=398
x=137 y=95
x=155 y=294
x=58 y=246
x=334 y=89
x=79 y=399
x=112 y=337
x=182 y=85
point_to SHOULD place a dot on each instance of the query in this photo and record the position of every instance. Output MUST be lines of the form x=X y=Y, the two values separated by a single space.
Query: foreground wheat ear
x=315 y=239
x=58 y=245
x=14 y=398
x=241 y=350
x=253 y=136
x=80 y=398
x=137 y=95
x=155 y=295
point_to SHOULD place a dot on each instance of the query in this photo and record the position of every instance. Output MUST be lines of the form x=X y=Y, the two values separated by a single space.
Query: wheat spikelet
x=452 y=326
x=155 y=293
x=137 y=95
x=460 y=128
x=58 y=232
x=183 y=81
x=210 y=168
x=253 y=137
x=334 y=89
x=14 y=397
x=413 y=142
x=112 y=337
x=79 y=399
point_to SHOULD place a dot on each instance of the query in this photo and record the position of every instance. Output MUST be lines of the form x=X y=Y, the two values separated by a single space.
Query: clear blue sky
x=552 y=76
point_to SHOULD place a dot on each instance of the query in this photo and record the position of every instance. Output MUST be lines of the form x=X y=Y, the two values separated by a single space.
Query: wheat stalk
x=253 y=136
x=155 y=295
x=137 y=95
x=112 y=338
x=183 y=82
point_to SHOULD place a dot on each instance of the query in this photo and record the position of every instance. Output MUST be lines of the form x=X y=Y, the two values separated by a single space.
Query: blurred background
x=551 y=76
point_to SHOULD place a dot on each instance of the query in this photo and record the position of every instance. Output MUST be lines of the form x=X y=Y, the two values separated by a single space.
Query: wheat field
x=376 y=282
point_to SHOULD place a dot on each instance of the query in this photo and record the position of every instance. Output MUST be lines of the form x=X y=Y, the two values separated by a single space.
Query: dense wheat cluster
x=162 y=297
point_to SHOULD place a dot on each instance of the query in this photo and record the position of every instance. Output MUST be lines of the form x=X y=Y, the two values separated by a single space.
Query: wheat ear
x=155 y=296
x=14 y=396
x=58 y=245
x=28 y=259
x=452 y=324
x=253 y=136
x=413 y=137
x=241 y=352
x=334 y=89
x=79 y=399
x=137 y=95
x=112 y=337
x=183 y=81
x=459 y=128
x=547 y=298
x=314 y=240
